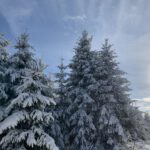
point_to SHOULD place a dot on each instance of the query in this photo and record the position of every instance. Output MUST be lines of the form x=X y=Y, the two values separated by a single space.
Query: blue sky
x=55 y=25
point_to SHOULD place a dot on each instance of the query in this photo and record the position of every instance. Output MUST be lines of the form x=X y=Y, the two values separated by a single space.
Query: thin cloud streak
x=17 y=13
x=75 y=18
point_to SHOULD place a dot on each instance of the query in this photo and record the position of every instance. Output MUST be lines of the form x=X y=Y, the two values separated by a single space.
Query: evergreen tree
x=61 y=80
x=58 y=128
x=147 y=124
x=81 y=127
x=23 y=128
x=130 y=117
x=112 y=102
x=3 y=81
x=136 y=125
x=110 y=132
x=147 y=118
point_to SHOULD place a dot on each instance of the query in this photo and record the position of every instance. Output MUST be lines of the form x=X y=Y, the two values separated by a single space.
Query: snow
x=28 y=104
x=26 y=100
x=31 y=139
x=47 y=141
x=40 y=116
x=35 y=136
x=98 y=115
x=141 y=145
x=12 y=120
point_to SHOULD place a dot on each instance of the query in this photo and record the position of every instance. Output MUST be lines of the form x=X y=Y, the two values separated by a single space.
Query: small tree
x=23 y=128
x=58 y=128
x=147 y=118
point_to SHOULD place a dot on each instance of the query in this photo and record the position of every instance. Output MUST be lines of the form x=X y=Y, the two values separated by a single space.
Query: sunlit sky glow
x=55 y=25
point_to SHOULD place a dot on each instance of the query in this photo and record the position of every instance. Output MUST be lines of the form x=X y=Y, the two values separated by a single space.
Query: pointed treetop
x=3 y=41
x=84 y=33
x=62 y=69
x=62 y=60
x=61 y=66
x=3 y=52
x=108 y=51
x=84 y=39
x=22 y=42
x=106 y=45
x=106 y=41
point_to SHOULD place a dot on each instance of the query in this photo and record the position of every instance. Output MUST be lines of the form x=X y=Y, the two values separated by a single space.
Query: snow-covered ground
x=139 y=146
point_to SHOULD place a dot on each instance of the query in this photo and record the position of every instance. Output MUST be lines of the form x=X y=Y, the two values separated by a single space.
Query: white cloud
x=143 y=104
x=147 y=99
x=17 y=13
x=145 y=109
x=75 y=18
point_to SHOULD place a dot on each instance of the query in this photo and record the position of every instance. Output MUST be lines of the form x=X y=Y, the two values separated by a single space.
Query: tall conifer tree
x=3 y=66
x=3 y=78
x=109 y=129
x=112 y=102
x=81 y=127
x=23 y=128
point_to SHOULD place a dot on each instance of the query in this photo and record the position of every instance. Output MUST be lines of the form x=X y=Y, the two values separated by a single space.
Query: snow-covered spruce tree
x=147 y=118
x=3 y=81
x=110 y=133
x=112 y=118
x=136 y=125
x=147 y=123
x=130 y=117
x=81 y=127
x=23 y=128
x=58 y=128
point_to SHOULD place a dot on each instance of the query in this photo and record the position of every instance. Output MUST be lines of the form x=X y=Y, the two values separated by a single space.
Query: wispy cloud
x=75 y=18
x=17 y=13
x=143 y=104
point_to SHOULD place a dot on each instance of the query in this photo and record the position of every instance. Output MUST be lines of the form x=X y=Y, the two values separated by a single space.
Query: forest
x=86 y=108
